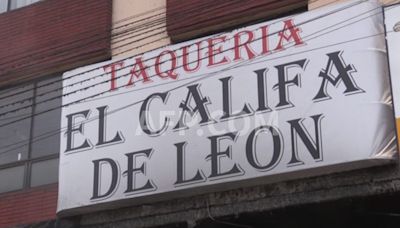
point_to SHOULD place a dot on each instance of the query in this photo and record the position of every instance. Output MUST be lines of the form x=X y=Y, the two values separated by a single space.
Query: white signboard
x=294 y=97
x=392 y=25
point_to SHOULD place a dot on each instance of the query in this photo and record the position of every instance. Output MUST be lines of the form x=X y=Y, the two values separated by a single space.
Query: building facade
x=43 y=39
x=40 y=40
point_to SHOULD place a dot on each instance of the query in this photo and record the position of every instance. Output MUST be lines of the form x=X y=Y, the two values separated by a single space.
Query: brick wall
x=28 y=206
x=53 y=36
x=41 y=39
x=187 y=19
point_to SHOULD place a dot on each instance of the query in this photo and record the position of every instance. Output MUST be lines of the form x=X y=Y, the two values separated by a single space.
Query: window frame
x=30 y=160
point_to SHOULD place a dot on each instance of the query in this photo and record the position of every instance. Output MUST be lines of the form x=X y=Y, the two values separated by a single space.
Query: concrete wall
x=347 y=185
x=138 y=26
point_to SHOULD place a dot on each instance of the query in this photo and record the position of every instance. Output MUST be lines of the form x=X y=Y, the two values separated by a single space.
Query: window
x=7 y=5
x=29 y=134
x=3 y=6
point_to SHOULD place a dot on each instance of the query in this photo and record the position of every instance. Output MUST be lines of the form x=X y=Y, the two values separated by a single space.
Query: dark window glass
x=46 y=125
x=30 y=137
x=12 y=178
x=41 y=175
x=14 y=137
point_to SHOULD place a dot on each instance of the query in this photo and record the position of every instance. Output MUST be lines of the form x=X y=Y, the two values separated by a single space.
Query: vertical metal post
x=8 y=5
x=28 y=167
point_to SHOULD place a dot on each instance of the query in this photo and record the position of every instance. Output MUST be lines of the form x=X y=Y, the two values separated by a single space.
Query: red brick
x=28 y=206
x=33 y=35
x=191 y=18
